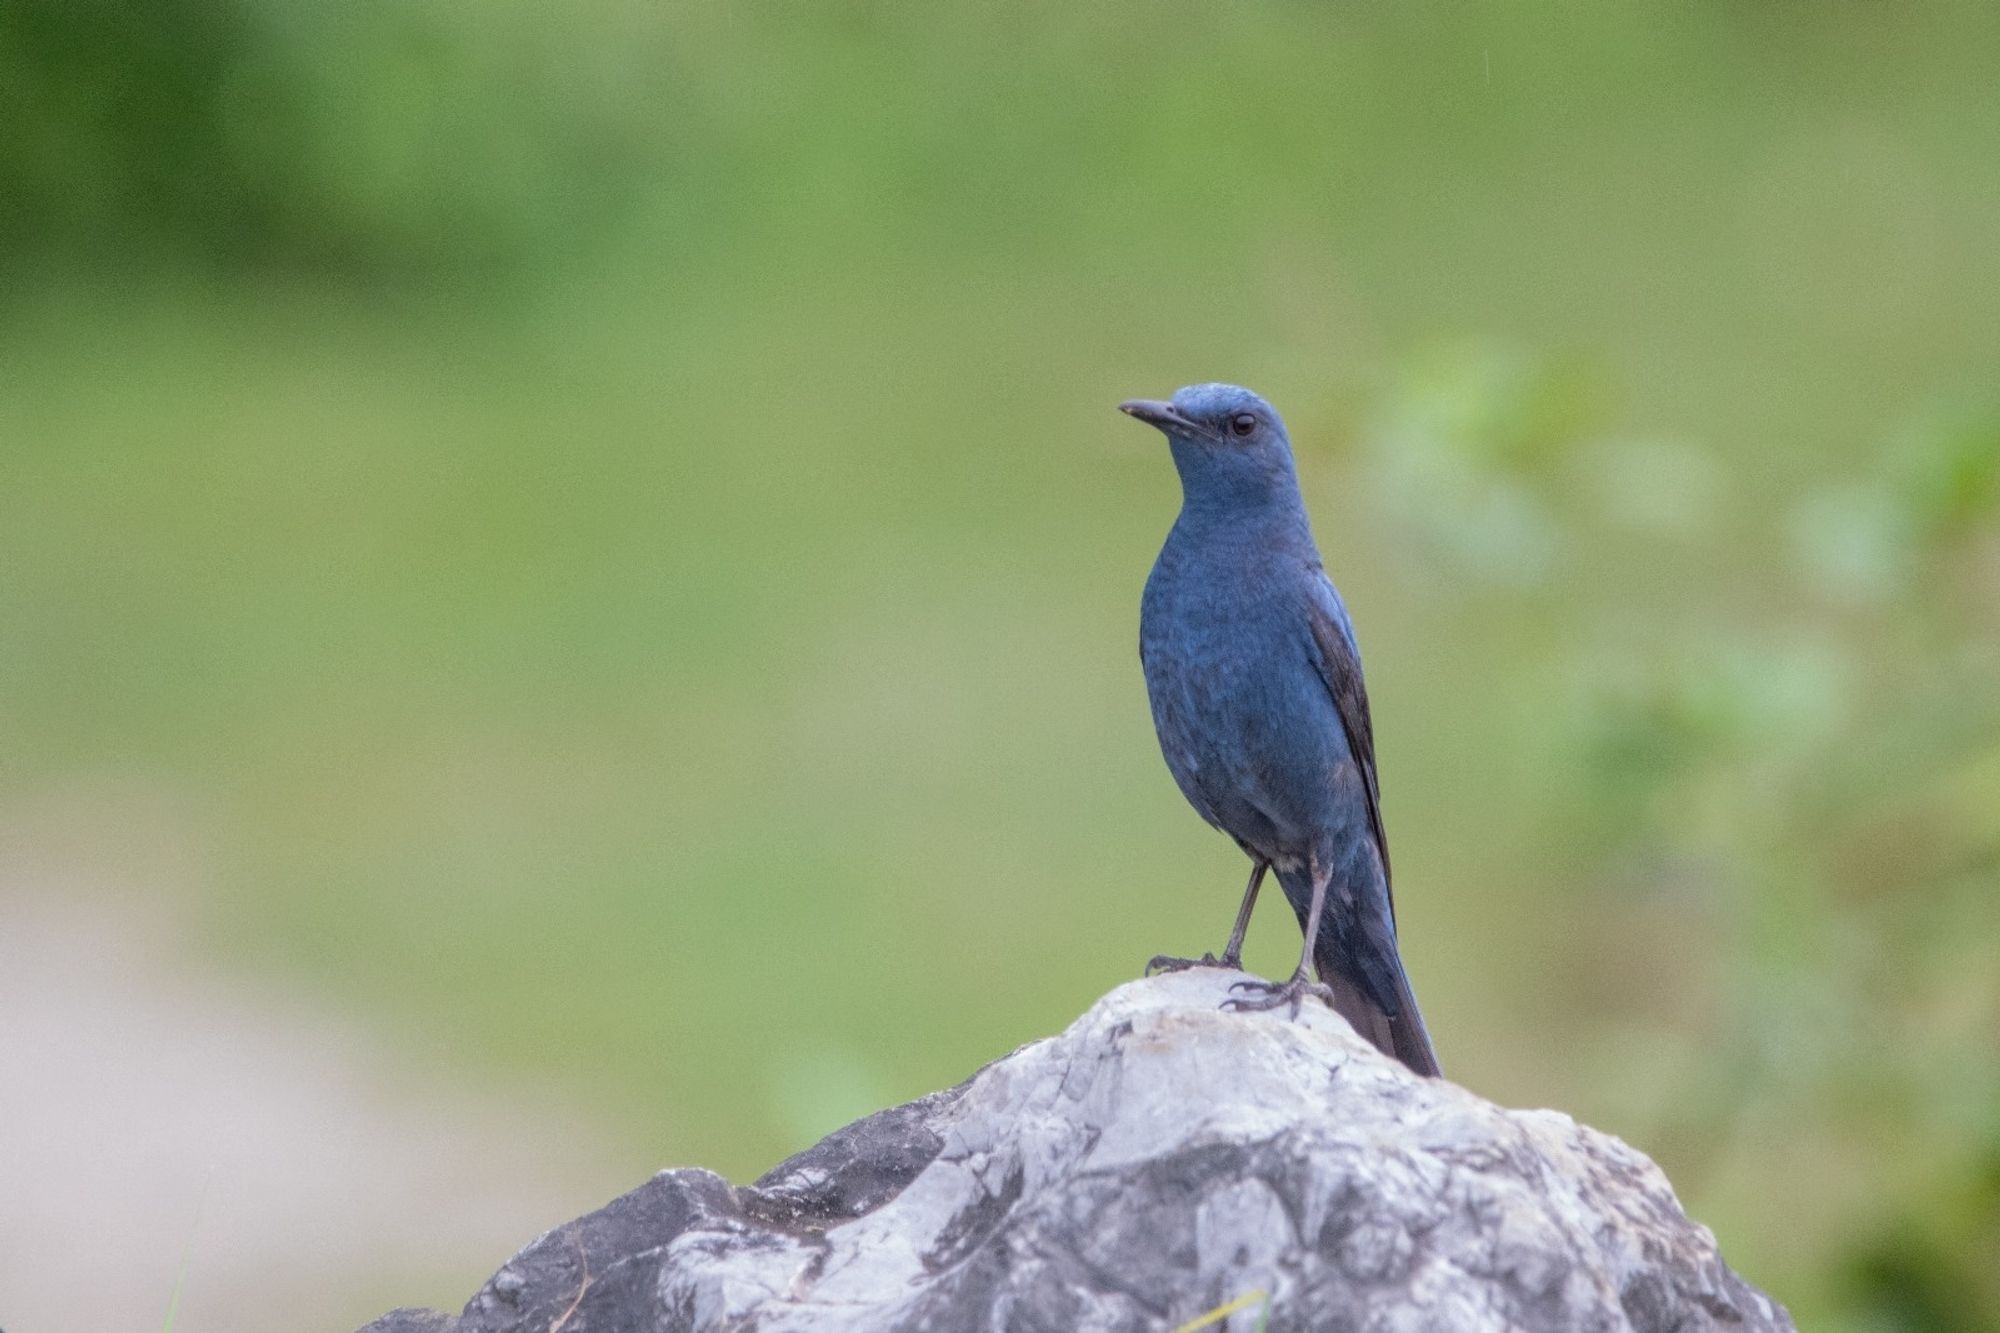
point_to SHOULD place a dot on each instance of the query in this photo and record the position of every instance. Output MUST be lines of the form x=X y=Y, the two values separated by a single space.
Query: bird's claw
x=1261 y=995
x=1163 y=963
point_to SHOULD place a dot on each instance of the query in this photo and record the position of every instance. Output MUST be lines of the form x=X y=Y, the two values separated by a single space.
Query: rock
x=1159 y=1161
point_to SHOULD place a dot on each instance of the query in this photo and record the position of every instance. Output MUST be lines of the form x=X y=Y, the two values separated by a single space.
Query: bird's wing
x=1339 y=663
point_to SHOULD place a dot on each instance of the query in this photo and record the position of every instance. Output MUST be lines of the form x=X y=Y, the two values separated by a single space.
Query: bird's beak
x=1159 y=414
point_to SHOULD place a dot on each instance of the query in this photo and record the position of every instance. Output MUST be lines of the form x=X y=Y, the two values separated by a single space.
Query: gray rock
x=1158 y=1161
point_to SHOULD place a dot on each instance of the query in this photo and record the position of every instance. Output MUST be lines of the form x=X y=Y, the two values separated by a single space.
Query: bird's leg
x=1262 y=994
x=1232 y=952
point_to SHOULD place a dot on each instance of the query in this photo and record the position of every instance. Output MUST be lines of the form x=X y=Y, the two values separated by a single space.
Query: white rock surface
x=1159 y=1160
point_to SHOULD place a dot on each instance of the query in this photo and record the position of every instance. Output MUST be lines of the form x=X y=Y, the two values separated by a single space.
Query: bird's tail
x=1402 y=1036
x=1355 y=954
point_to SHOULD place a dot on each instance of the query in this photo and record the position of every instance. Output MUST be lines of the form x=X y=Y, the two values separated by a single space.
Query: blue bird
x=1255 y=682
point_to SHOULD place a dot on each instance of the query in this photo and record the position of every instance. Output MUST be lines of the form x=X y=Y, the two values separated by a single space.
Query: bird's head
x=1228 y=444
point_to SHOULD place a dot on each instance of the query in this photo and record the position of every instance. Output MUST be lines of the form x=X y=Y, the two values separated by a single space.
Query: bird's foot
x=1261 y=995
x=1164 y=963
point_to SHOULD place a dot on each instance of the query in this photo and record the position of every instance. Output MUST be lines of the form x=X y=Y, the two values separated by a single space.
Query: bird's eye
x=1242 y=423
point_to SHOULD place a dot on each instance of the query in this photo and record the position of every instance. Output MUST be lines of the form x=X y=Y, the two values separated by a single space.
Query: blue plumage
x=1257 y=695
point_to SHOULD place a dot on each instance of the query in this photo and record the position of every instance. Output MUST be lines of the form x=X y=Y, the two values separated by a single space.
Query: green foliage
x=378 y=138
x=115 y=120
x=1937 y=1265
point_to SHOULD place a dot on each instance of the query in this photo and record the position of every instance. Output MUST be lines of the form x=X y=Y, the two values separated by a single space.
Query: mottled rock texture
x=1159 y=1160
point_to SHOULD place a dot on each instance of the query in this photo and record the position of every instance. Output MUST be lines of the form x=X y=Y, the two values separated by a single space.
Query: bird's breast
x=1245 y=721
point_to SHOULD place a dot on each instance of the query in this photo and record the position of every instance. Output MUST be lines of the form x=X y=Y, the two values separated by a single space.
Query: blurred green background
x=605 y=531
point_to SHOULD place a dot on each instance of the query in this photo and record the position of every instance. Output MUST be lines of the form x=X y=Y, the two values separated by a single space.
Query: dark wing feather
x=1340 y=667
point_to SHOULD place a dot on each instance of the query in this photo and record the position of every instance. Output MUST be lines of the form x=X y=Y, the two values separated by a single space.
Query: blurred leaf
x=1952 y=465
x=1937 y=1268
x=1460 y=450
x=1854 y=542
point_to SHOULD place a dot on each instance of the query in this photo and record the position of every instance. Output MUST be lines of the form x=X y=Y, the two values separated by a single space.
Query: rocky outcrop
x=1160 y=1165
